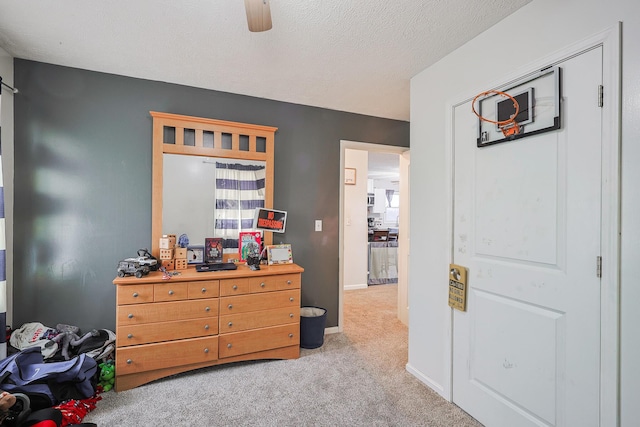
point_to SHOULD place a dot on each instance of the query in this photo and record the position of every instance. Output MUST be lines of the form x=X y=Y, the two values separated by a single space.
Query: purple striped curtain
x=3 y=256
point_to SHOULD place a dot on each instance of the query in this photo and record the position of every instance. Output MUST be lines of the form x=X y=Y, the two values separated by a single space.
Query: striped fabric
x=239 y=190
x=3 y=256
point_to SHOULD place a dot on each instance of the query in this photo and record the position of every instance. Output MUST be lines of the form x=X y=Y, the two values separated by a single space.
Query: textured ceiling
x=347 y=55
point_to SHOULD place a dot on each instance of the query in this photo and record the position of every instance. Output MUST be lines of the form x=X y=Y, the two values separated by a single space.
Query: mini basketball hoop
x=508 y=127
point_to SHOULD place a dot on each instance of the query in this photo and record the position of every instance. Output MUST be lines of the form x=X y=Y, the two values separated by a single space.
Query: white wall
x=355 y=221
x=6 y=71
x=550 y=26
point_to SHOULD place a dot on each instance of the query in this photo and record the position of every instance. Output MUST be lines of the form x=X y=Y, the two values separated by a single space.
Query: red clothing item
x=45 y=423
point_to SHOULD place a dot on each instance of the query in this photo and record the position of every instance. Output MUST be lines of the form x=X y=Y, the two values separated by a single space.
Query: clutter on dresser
x=138 y=266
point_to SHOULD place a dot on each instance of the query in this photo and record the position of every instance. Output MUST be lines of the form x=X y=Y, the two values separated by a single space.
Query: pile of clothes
x=64 y=341
x=58 y=370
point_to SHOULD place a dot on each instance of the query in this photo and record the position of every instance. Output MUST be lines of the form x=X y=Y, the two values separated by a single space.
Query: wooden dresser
x=193 y=320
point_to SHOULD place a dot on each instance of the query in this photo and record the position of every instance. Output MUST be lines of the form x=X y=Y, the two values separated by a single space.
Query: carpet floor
x=357 y=378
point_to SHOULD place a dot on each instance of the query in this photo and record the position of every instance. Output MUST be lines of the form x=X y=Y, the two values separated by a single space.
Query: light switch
x=318 y=225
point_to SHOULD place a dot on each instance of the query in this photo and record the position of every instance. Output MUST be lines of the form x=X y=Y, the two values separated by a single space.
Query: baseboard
x=332 y=330
x=352 y=287
x=435 y=386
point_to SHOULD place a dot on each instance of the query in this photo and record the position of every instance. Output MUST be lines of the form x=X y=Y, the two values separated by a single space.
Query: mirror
x=185 y=150
x=189 y=196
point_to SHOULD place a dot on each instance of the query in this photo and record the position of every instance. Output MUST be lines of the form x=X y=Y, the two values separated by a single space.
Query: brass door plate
x=458 y=287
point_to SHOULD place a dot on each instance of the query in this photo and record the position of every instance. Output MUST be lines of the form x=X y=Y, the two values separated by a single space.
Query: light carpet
x=357 y=378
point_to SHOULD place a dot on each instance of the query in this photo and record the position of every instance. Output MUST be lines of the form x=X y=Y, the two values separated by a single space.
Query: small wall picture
x=350 y=176
x=195 y=254
x=279 y=254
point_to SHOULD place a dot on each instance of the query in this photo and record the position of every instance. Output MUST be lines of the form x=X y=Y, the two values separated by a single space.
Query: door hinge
x=600 y=96
x=599 y=267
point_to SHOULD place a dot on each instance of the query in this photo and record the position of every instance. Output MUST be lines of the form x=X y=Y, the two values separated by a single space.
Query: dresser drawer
x=130 y=360
x=259 y=319
x=134 y=294
x=260 y=339
x=166 y=311
x=234 y=286
x=203 y=289
x=256 y=302
x=170 y=291
x=287 y=281
x=262 y=284
x=274 y=283
x=166 y=331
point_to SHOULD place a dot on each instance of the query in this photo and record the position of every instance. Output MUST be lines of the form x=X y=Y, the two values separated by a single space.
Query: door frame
x=610 y=41
x=363 y=146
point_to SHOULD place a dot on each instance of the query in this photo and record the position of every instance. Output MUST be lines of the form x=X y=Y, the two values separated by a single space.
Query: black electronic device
x=216 y=266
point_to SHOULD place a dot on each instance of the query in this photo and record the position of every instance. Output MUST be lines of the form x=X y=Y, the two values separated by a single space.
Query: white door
x=527 y=219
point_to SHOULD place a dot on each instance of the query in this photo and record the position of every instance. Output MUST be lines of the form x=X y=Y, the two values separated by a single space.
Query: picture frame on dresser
x=195 y=254
x=279 y=254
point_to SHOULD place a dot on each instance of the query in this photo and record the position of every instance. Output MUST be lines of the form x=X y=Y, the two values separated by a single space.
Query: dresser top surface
x=190 y=274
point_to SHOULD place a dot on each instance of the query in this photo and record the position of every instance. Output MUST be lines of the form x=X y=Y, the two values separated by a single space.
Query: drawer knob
x=207 y=309
x=262 y=285
x=206 y=350
x=203 y=290
x=135 y=295
x=288 y=282
x=129 y=361
x=171 y=292
x=130 y=316
x=130 y=336
x=235 y=287
x=206 y=327
x=230 y=306
x=291 y=315
x=290 y=335
x=230 y=324
x=291 y=299
x=229 y=345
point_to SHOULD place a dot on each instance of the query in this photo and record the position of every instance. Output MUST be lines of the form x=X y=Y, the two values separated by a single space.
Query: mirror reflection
x=211 y=197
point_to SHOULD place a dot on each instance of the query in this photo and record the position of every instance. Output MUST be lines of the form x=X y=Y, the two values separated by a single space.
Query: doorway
x=353 y=245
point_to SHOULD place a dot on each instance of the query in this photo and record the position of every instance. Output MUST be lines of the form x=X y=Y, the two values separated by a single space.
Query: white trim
x=435 y=386
x=610 y=40
x=447 y=390
x=354 y=287
x=332 y=330
x=610 y=242
x=354 y=145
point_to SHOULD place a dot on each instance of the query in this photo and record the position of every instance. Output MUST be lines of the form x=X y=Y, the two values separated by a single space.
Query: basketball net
x=508 y=127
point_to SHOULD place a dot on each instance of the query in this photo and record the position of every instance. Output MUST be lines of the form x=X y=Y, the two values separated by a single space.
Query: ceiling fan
x=258 y=15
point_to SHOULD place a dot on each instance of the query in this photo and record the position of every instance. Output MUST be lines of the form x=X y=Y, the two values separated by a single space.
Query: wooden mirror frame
x=201 y=125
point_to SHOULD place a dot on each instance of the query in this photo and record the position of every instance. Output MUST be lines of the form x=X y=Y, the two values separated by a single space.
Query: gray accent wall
x=83 y=183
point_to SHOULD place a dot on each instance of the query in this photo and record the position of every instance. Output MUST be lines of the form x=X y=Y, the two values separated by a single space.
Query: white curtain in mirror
x=240 y=189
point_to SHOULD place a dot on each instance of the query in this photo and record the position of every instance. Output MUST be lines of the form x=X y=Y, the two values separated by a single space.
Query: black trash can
x=312 y=322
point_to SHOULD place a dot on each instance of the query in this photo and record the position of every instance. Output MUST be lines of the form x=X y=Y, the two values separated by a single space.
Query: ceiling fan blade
x=258 y=15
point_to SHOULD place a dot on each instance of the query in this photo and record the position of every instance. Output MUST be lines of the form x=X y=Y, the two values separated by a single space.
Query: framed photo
x=213 y=249
x=195 y=254
x=350 y=176
x=249 y=242
x=279 y=254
